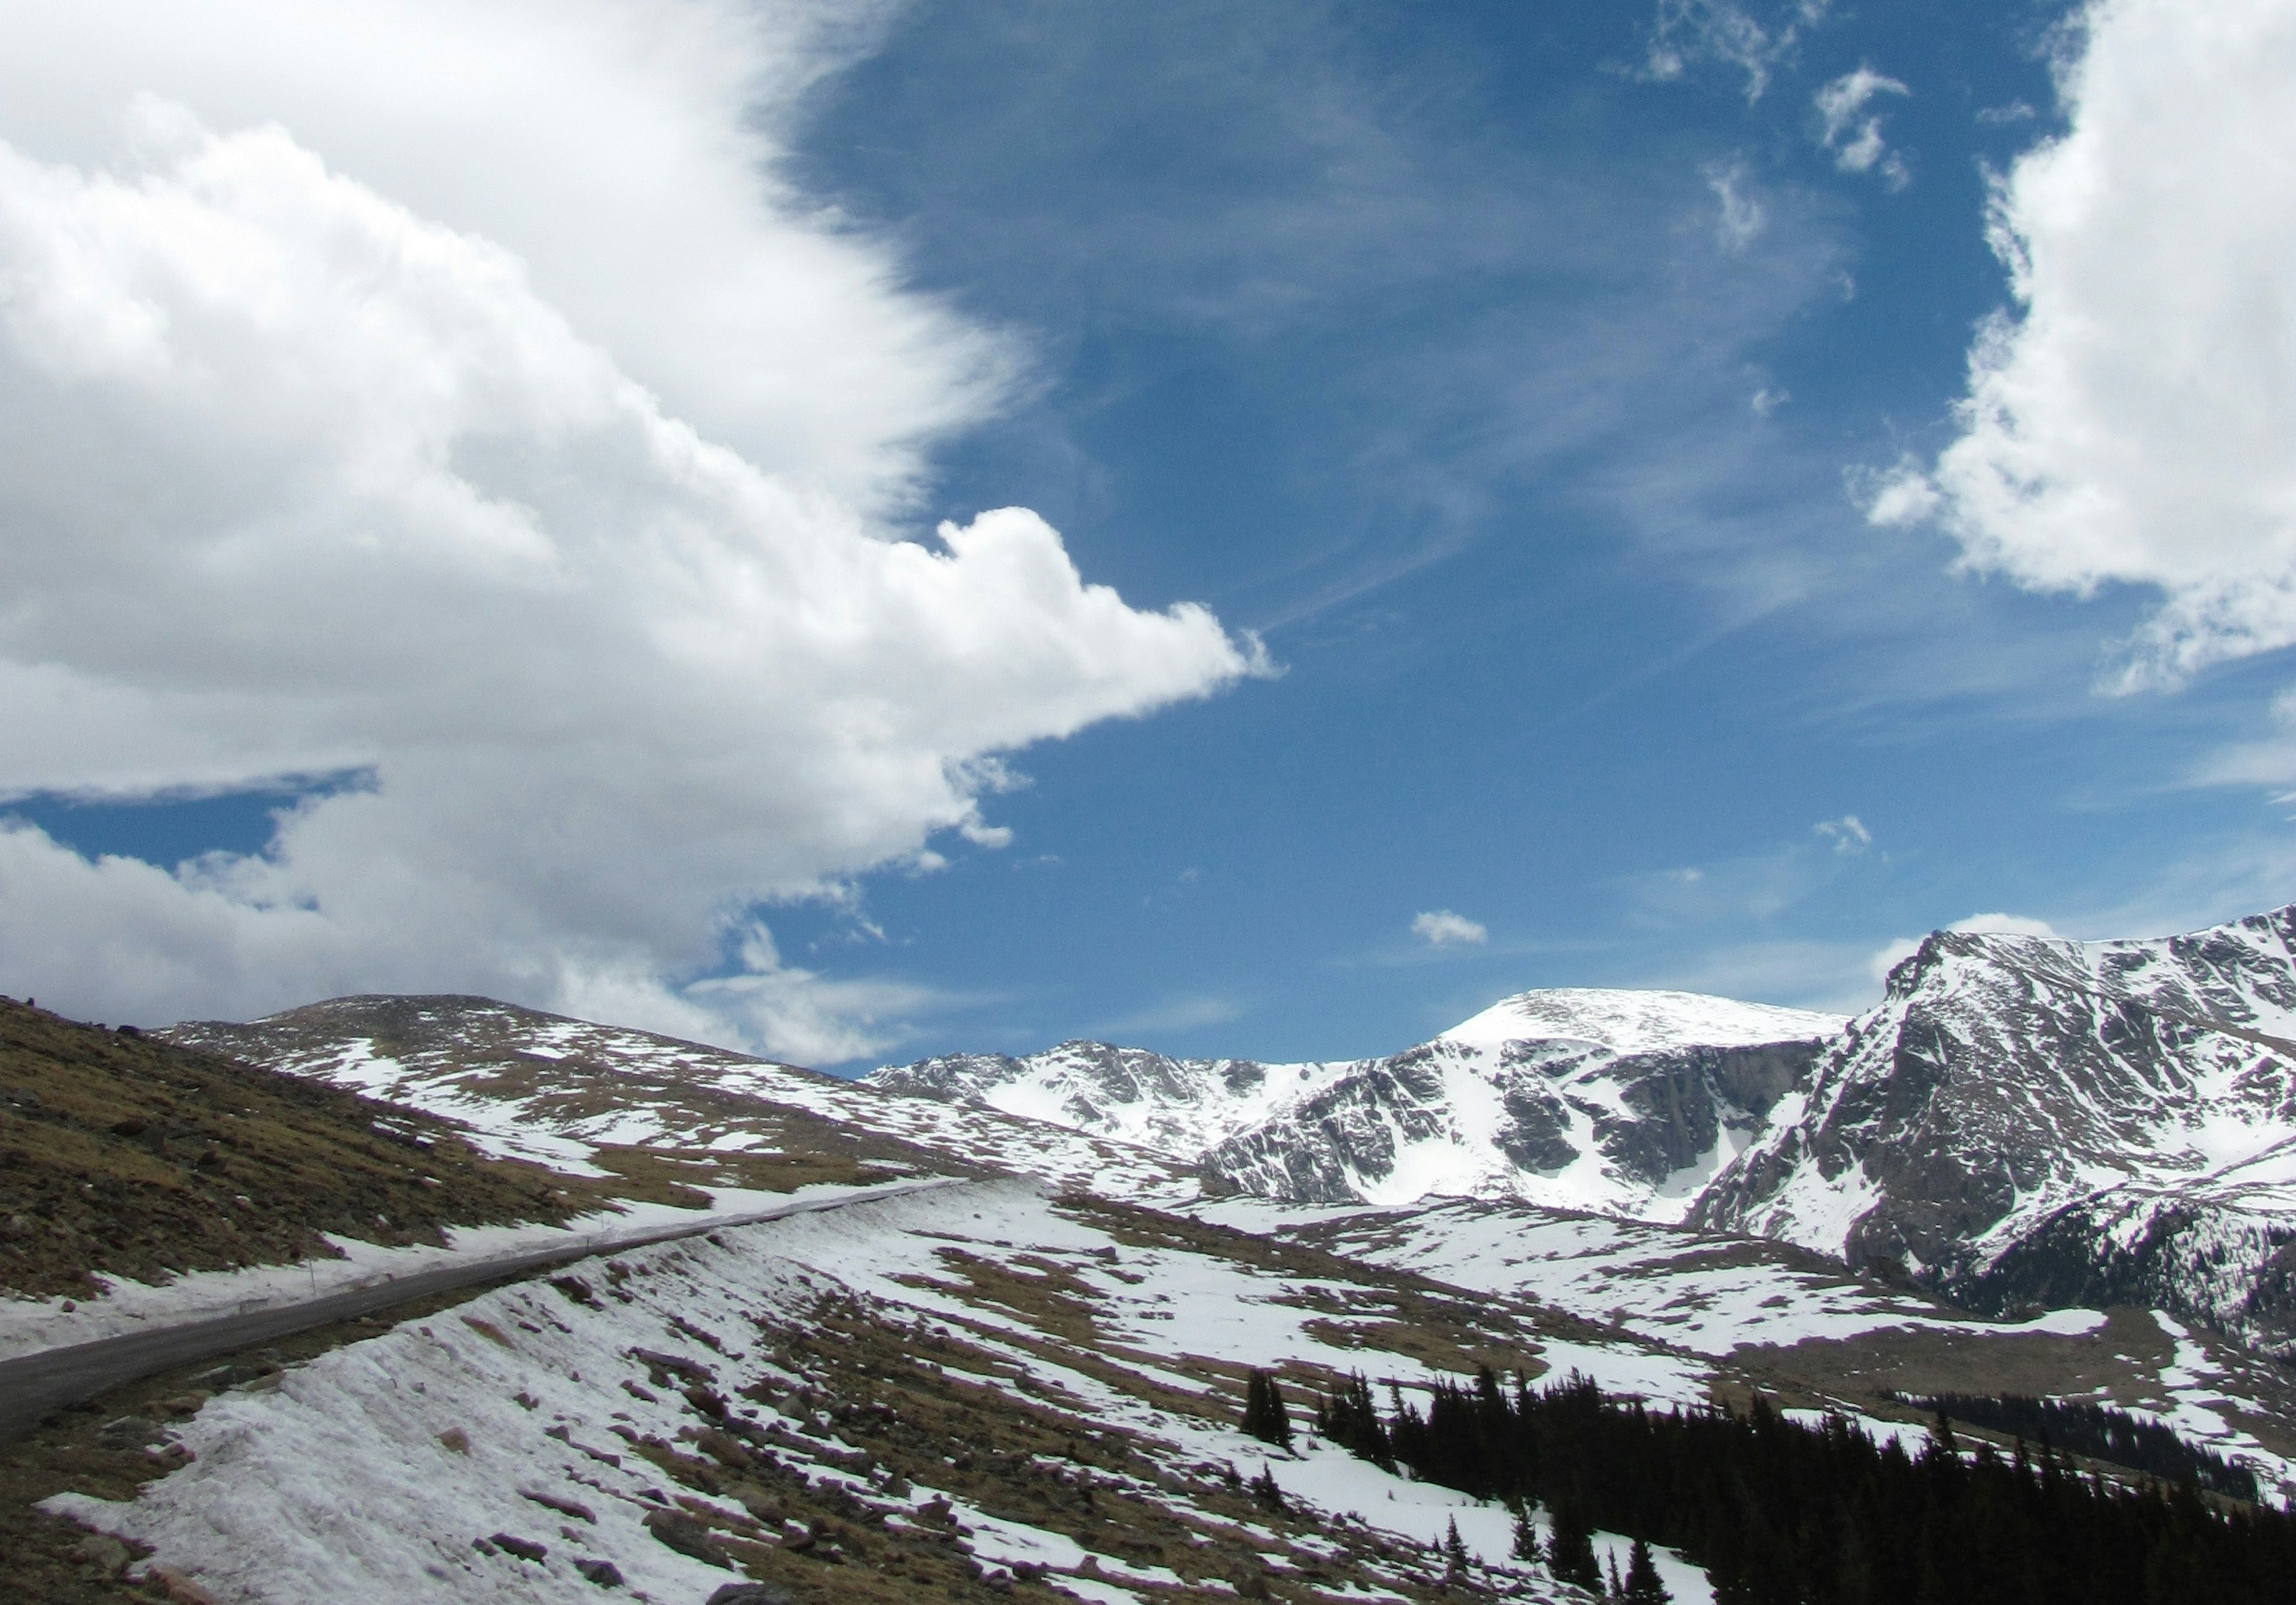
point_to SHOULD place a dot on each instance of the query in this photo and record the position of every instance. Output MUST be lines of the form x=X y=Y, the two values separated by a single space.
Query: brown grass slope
x=125 y=1156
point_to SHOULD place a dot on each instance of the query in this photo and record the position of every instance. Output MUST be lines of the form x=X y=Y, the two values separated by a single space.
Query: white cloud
x=1440 y=927
x=2010 y=925
x=1854 y=137
x=1741 y=218
x=1689 y=32
x=2130 y=422
x=1846 y=834
x=452 y=394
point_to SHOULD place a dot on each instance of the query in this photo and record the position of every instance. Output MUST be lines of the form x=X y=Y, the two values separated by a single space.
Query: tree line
x=2098 y=1431
x=1782 y=1513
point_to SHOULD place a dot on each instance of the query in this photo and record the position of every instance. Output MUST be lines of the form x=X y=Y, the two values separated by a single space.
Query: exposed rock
x=1616 y=1101
x=2026 y=1121
x=102 y=1551
x=688 y=1538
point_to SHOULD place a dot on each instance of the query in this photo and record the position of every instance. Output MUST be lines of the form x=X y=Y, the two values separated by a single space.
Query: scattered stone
x=525 y=1549
x=130 y=1432
x=456 y=1439
x=486 y=1329
x=180 y=1589
x=605 y=1574
x=564 y=1507
x=688 y=1538
x=752 y=1593
x=103 y=1549
x=230 y=1376
x=576 y=1290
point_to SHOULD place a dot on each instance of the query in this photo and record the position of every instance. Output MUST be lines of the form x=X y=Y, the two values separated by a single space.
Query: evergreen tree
x=1264 y=1488
x=1643 y=1584
x=1264 y=1415
x=1455 y=1556
x=1777 y=1511
x=1570 y=1551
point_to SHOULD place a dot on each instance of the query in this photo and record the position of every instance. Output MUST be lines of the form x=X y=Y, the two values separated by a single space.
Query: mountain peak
x=1628 y=1021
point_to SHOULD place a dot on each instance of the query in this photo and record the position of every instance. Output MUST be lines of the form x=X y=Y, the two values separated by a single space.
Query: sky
x=857 y=531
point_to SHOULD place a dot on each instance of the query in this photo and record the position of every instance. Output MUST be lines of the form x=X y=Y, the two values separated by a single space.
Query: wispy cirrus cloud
x=1852 y=131
x=1690 y=33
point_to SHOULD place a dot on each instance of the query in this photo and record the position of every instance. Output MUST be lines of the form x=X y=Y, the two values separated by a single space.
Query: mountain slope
x=594 y=1099
x=1583 y=1098
x=120 y=1156
x=2032 y=1120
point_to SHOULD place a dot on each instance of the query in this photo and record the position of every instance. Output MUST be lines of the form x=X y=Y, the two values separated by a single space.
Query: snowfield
x=1629 y=1022
x=370 y=1472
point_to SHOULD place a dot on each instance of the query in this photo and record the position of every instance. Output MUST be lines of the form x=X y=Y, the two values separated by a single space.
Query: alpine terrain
x=1627 y=1102
x=1596 y=1278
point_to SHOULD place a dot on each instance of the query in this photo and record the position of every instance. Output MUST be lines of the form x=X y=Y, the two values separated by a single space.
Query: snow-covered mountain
x=583 y=1097
x=2026 y=1120
x=1621 y=1101
x=2021 y=1123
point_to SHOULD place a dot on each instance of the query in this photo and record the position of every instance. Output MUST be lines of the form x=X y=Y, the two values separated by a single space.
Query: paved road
x=33 y=1385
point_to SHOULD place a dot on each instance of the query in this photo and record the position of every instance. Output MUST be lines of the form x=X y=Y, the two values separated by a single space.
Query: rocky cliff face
x=2025 y=1120
x=1623 y=1101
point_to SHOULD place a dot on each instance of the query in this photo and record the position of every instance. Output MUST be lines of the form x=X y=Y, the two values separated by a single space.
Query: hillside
x=125 y=1156
x=604 y=1100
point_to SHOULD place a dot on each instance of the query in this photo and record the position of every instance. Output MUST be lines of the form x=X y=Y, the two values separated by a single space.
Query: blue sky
x=1529 y=380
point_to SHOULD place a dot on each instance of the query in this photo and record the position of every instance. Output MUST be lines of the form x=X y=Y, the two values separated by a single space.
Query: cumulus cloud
x=1852 y=134
x=1440 y=927
x=2128 y=420
x=451 y=396
x=2008 y=925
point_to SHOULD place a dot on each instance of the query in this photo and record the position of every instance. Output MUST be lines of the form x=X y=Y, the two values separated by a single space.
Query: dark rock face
x=1314 y=1154
x=1647 y=1116
x=1448 y=1116
x=2032 y=1122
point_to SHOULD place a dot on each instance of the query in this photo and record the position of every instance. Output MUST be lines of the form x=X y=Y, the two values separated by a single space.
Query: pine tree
x=1265 y=1488
x=1570 y=1549
x=1643 y=1584
x=1264 y=1415
x=1526 y=1535
x=1617 y=1591
x=1455 y=1556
